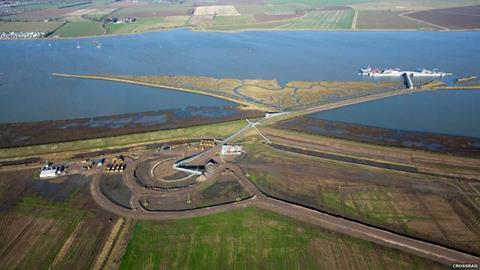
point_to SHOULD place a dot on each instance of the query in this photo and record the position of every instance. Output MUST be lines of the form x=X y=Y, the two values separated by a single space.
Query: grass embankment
x=213 y=130
x=252 y=238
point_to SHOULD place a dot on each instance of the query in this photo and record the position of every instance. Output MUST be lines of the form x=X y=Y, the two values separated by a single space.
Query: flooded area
x=449 y=112
x=438 y=121
x=28 y=91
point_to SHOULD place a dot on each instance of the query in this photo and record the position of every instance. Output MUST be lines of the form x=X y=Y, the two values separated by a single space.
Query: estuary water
x=452 y=112
x=28 y=92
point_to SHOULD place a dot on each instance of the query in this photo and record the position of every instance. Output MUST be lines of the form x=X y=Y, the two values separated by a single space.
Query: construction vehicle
x=118 y=159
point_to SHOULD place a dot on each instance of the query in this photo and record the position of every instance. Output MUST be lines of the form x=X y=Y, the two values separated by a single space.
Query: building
x=51 y=171
x=231 y=150
x=48 y=173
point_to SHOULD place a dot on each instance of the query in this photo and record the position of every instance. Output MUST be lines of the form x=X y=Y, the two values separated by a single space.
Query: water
x=29 y=93
x=453 y=112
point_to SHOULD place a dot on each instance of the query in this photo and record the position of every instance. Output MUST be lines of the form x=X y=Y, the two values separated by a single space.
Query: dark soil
x=115 y=189
x=452 y=18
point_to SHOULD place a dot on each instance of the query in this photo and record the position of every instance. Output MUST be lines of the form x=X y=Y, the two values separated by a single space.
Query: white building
x=48 y=173
x=231 y=150
x=51 y=171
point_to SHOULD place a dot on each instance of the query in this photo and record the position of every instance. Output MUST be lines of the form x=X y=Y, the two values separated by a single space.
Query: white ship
x=395 y=72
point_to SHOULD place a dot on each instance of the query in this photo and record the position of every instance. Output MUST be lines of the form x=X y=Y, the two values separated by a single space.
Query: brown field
x=384 y=19
x=417 y=205
x=46 y=224
x=451 y=18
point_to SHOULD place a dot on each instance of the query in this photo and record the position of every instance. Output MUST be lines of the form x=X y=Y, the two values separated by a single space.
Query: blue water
x=453 y=112
x=29 y=93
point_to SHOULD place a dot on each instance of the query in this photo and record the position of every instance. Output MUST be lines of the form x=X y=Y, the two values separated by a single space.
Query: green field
x=146 y=24
x=233 y=20
x=280 y=8
x=78 y=29
x=338 y=19
x=29 y=26
x=252 y=238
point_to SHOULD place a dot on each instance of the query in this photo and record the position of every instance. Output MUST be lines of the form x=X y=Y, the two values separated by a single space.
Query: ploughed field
x=49 y=224
x=387 y=19
x=418 y=205
x=451 y=18
x=251 y=238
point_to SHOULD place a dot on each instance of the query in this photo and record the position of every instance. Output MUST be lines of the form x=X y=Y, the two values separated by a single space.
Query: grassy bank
x=213 y=130
x=252 y=238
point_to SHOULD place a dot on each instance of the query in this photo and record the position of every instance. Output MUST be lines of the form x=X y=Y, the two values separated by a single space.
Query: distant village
x=22 y=35
x=120 y=20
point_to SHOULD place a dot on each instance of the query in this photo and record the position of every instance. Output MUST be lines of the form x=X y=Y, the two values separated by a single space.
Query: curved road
x=358 y=230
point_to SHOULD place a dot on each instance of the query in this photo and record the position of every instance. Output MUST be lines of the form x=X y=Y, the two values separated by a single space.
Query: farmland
x=83 y=28
x=383 y=19
x=336 y=19
x=49 y=224
x=29 y=26
x=233 y=20
x=232 y=15
x=417 y=205
x=251 y=238
x=147 y=24
x=450 y=18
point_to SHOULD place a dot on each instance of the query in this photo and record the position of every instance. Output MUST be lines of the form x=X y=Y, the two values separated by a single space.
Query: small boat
x=78 y=45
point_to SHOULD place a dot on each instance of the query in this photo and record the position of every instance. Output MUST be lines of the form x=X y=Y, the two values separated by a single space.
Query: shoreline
x=257 y=30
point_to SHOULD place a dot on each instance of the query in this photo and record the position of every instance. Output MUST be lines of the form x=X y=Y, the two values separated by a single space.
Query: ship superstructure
x=395 y=72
